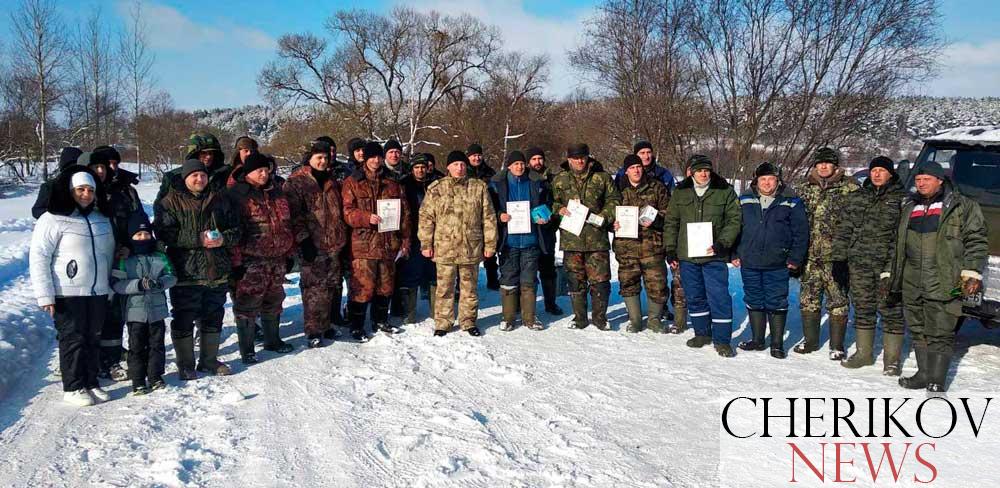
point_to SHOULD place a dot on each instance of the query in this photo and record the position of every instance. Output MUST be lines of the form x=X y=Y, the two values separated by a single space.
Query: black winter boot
x=919 y=379
x=245 y=338
x=356 y=314
x=838 y=330
x=937 y=371
x=777 y=323
x=758 y=322
x=579 y=310
x=271 y=325
x=810 y=333
x=549 y=290
x=599 y=294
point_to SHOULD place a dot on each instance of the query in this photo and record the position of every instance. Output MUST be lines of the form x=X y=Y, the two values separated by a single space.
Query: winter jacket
x=398 y=173
x=360 y=196
x=45 y=189
x=595 y=190
x=147 y=306
x=775 y=237
x=482 y=172
x=316 y=213
x=650 y=242
x=457 y=221
x=825 y=200
x=541 y=194
x=265 y=221
x=124 y=201
x=549 y=230
x=218 y=176
x=659 y=173
x=866 y=231
x=961 y=247
x=718 y=205
x=181 y=218
x=416 y=192
x=71 y=251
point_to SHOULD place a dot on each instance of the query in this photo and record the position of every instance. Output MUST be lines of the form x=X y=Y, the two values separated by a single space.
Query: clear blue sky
x=210 y=52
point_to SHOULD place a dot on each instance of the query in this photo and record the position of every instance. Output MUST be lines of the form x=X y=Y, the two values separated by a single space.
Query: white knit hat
x=81 y=178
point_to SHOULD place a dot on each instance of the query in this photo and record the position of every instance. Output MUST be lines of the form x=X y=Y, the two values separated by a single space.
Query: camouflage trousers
x=586 y=268
x=677 y=291
x=261 y=290
x=864 y=296
x=370 y=277
x=633 y=271
x=817 y=283
x=468 y=301
x=320 y=284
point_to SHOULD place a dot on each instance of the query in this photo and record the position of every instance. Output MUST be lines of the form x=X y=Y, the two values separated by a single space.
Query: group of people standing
x=391 y=228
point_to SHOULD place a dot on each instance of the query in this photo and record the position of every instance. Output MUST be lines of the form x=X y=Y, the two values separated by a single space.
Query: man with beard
x=547 y=260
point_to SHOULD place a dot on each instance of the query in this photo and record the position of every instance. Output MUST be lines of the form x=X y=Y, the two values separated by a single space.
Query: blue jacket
x=659 y=173
x=541 y=194
x=776 y=237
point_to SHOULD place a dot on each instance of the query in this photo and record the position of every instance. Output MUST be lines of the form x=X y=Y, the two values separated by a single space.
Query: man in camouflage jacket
x=458 y=229
x=865 y=239
x=824 y=196
x=206 y=148
x=586 y=257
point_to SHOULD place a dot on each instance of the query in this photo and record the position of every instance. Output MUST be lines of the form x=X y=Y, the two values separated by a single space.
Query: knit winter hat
x=254 y=162
x=319 y=147
x=640 y=146
x=474 y=148
x=81 y=178
x=534 y=151
x=392 y=144
x=109 y=153
x=767 y=169
x=192 y=166
x=456 y=156
x=68 y=157
x=932 y=168
x=246 y=142
x=514 y=157
x=579 y=150
x=373 y=149
x=826 y=155
x=138 y=221
x=884 y=163
x=631 y=160
x=699 y=161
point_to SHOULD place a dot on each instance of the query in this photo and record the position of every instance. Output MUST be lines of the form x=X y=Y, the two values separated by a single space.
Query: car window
x=977 y=174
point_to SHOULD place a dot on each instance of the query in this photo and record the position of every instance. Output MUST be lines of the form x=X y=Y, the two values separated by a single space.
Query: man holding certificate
x=521 y=198
x=640 y=252
x=585 y=192
x=458 y=229
x=379 y=218
x=702 y=225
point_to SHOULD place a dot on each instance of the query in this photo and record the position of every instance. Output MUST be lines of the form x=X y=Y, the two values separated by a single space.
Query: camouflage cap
x=203 y=142
x=699 y=161
x=826 y=155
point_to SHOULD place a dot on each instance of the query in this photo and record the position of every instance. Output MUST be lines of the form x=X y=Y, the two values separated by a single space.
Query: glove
x=308 y=249
x=841 y=275
x=238 y=272
x=971 y=286
x=144 y=284
x=719 y=249
x=290 y=264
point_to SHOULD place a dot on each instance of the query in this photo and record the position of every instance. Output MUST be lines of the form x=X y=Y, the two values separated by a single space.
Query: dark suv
x=971 y=156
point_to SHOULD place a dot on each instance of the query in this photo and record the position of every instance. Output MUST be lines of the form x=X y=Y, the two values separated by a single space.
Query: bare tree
x=40 y=51
x=137 y=59
x=514 y=78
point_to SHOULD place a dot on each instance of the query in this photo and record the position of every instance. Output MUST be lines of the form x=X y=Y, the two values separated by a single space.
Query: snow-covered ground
x=559 y=407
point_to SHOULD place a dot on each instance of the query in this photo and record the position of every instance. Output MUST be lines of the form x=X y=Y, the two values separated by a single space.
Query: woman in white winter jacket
x=72 y=248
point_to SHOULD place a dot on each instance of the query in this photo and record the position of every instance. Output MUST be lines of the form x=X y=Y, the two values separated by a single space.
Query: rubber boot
x=508 y=304
x=777 y=325
x=272 y=339
x=380 y=315
x=356 y=314
x=208 y=362
x=838 y=330
x=245 y=338
x=432 y=298
x=397 y=306
x=919 y=380
x=184 y=354
x=633 y=305
x=810 y=332
x=937 y=371
x=892 y=349
x=549 y=290
x=680 y=319
x=336 y=317
x=528 y=306
x=758 y=323
x=654 y=322
x=411 y=305
x=599 y=294
x=864 y=342
x=579 y=301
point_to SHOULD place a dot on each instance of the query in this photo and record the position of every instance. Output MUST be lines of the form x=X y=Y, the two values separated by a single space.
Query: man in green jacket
x=941 y=251
x=704 y=197
x=585 y=255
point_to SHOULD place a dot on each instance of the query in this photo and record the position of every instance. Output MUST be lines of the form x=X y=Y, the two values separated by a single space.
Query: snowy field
x=559 y=407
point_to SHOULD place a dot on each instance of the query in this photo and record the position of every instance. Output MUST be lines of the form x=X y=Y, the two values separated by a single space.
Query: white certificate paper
x=520 y=217
x=577 y=218
x=648 y=214
x=699 y=239
x=388 y=211
x=628 y=222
